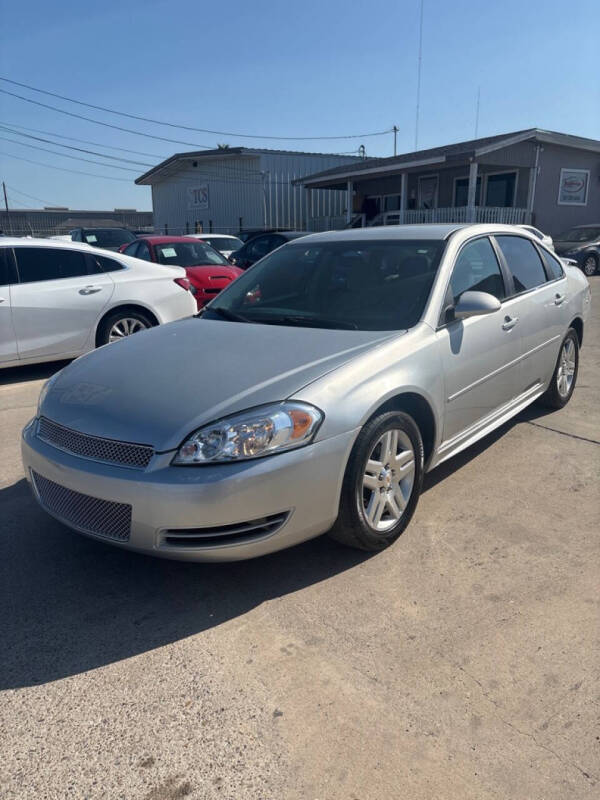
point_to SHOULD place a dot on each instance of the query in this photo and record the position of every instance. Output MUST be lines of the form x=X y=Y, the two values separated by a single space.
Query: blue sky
x=270 y=67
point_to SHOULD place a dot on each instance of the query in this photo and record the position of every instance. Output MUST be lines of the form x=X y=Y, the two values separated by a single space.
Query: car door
x=56 y=302
x=479 y=355
x=8 y=341
x=540 y=306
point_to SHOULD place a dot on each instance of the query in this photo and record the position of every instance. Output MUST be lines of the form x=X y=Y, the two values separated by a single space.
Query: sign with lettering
x=573 y=187
x=198 y=197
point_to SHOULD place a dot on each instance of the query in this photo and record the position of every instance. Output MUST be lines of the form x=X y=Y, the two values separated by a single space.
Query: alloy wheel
x=388 y=480
x=125 y=327
x=566 y=368
x=589 y=266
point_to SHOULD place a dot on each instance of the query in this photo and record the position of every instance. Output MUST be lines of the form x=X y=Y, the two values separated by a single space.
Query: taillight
x=185 y=284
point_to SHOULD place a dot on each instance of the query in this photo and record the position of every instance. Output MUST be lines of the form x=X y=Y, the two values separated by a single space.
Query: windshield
x=223 y=242
x=108 y=237
x=188 y=254
x=363 y=285
x=580 y=235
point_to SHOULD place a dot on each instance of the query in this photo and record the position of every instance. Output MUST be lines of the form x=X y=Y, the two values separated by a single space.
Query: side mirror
x=474 y=304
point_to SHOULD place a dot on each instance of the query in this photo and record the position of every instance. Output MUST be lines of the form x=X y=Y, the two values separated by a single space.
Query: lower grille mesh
x=89 y=514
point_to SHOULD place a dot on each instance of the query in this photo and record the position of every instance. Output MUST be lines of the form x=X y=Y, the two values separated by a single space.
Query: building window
x=391 y=202
x=461 y=191
x=500 y=189
x=428 y=190
x=573 y=187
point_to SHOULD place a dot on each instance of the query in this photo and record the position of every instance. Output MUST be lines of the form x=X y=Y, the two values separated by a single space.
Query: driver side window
x=477 y=270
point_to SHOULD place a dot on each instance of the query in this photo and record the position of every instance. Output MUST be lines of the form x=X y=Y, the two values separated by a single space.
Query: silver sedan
x=309 y=396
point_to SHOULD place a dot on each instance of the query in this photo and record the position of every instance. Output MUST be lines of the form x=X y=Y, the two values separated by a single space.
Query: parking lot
x=461 y=663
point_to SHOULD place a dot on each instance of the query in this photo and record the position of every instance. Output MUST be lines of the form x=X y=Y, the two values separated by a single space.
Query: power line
x=87 y=141
x=31 y=196
x=106 y=124
x=64 y=169
x=67 y=155
x=78 y=149
x=189 y=127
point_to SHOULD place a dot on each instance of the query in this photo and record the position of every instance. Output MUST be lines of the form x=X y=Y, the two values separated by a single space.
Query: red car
x=207 y=270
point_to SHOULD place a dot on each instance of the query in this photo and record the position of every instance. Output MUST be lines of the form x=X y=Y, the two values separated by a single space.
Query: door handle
x=2 y=299
x=90 y=290
x=509 y=322
x=559 y=299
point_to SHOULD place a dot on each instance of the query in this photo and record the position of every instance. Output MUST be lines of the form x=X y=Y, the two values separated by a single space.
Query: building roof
x=459 y=151
x=206 y=155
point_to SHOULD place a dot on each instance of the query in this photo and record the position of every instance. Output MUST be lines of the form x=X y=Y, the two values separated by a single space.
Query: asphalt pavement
x=461 y=663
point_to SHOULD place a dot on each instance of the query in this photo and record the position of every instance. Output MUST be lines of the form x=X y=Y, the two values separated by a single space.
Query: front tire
x=381 y=484
x=589 y=265
x=564 y=378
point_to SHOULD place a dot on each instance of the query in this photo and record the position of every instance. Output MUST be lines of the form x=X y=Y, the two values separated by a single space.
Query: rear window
x=108 y=237
x=523 y=261
x=49 y=263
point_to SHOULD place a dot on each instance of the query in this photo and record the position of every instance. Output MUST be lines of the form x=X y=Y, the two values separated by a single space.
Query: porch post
x=349 y=198
x=403 y=191
x=471 y=194
x=533 y=171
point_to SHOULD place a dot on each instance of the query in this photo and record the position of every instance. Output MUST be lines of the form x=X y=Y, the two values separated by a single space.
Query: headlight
x=258 y=432
x=45 y=389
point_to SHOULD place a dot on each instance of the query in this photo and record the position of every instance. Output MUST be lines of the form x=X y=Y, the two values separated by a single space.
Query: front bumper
x=304 y=484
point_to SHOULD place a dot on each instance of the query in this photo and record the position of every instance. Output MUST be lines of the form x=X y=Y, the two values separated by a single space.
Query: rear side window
x=49 y=263
x=523 y=261
x=4 y=273
x=102 y=264
x=477 y=270
x=553 y=266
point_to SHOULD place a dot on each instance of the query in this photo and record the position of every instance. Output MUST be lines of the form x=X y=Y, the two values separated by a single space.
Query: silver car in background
x=311 y=395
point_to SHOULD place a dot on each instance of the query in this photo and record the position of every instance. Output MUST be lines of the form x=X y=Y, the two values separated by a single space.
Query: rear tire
x=590 y=265
x=121 y=324
x=564 y=377
x=381 y=484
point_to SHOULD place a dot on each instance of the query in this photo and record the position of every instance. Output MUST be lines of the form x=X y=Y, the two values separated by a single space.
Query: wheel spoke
x=392 y=504
x=375 y=508
x=404 y=464
x=371 y=482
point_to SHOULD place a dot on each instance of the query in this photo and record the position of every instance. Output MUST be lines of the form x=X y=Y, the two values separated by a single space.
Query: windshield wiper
x=227 y=314
x=316 y=322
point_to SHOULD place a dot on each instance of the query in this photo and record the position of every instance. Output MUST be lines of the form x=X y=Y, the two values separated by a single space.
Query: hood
x=214 y=270
x=158 y=386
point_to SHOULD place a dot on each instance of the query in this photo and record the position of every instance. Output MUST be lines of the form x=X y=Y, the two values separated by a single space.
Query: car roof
x=218 y=235
x=433 y=231
x=167 y=239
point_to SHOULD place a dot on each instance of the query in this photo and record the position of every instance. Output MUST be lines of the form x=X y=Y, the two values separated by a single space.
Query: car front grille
x=94 y=447
x=88 y=514
x=216 y=536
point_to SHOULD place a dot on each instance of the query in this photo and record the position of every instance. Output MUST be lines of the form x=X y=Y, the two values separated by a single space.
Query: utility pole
x=395 y=129
x=419 y=78
x=6 y=206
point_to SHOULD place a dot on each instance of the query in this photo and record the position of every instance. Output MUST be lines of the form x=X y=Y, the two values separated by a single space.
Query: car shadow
x=30 y=372
x=71 y=604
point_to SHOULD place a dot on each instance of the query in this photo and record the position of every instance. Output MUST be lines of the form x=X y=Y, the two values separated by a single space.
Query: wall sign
x=573 y=187
x=198 y=196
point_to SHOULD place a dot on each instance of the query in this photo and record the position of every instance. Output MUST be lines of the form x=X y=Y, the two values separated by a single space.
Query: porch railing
x=485 y=214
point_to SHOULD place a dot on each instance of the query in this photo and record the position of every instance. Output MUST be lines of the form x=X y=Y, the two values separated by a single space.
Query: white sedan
x=61 y=299
x=543 y=237
x=225 y=243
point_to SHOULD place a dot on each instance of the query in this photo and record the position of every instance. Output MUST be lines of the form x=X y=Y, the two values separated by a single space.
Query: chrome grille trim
x=88 y=514
x=95 y=448
x=221 y=535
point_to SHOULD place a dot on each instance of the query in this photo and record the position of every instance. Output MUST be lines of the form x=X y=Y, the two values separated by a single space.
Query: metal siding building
x=240 y=188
